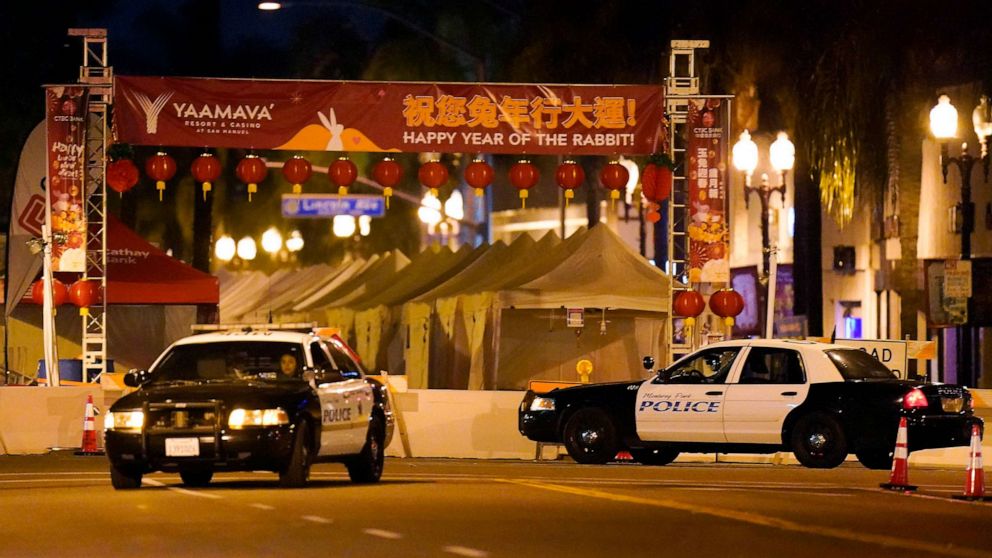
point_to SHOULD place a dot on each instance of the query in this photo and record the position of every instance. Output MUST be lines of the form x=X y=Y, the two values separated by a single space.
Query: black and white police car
x=249 y=400
x=820 y=401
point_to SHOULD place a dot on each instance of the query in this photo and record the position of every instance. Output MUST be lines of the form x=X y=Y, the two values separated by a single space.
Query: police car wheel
x=590 y=437
x=296 y=473
x=818 y=441
x=366 y=467
x=196 y=477
x=878 y=459
x=124 y=479
x=658 y=456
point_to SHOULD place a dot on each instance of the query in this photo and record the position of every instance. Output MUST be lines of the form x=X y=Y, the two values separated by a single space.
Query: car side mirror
x=135 y=377
x=648 y=363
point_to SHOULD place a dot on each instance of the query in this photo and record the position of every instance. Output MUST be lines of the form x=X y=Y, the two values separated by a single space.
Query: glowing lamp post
x=783 y=157
x=944 y=125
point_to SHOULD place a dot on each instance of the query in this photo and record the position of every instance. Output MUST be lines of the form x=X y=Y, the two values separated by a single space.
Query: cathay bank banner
x=378 y=116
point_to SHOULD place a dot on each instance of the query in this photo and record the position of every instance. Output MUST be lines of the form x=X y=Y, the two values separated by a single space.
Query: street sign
x=957 y=279
x=316 y=206
x=575 y=317
x=889 y=352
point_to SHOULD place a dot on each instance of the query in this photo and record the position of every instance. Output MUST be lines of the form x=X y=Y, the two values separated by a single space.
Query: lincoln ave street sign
x=310 y=206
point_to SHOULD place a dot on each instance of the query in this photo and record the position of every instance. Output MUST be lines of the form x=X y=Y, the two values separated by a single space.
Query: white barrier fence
x=438 y=423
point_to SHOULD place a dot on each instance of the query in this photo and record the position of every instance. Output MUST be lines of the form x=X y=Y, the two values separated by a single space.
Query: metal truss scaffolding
x=97 y=75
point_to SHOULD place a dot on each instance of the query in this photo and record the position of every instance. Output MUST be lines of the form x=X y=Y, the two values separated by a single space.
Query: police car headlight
x=542 y=404
x=124 y=420
x=240 y=418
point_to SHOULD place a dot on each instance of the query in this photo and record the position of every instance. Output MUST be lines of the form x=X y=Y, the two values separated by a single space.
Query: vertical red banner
x=65 y=123
x=706 y=171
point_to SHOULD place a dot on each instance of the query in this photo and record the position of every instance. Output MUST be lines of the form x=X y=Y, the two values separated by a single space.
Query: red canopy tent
x=139 y=273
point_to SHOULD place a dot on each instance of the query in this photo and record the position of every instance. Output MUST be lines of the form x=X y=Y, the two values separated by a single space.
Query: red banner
x=709 y=233
x=65 y=123
x=379 y=116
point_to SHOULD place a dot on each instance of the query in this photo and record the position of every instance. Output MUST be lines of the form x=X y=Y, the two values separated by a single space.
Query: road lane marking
x=263 y=507
x=317 y=519
x=206 y=495
x=382 y=534
x=465 y=551
x=762 y=520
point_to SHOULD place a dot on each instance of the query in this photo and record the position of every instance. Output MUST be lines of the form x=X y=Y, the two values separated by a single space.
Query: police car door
x=771 y=382
x=688 y=406
x=357 y=392
x=335 y=412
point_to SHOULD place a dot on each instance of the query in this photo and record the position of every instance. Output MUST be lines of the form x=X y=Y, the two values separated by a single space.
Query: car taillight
x=915 y=399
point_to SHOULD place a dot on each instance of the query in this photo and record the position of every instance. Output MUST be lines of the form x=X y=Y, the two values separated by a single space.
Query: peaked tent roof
x=375 y=277
x=425 y=272
x=601 y=271
x=307 y=299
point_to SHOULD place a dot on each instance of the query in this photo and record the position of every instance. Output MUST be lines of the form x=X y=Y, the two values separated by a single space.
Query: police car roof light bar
x=292 y=326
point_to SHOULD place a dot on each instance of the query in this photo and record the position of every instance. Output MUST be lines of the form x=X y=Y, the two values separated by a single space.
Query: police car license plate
x=182 y=447
x=952 y=404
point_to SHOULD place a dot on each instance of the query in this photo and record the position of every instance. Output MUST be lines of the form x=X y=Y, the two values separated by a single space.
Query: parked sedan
x=820 y=401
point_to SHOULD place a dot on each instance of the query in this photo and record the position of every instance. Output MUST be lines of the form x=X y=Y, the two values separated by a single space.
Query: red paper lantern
x=433 y=174
x=689 y=304
x=206 y=169
x=656 y=182
x=59 y=292
x=727 y=303
x=614 y=177
x=251 y=170
x=479 y=175
x=297 y=170
x=388 y=173
x=161 y=167
x=570 y=176
x=343 y=174
x=524 y=176
x=84 y=293
x=122 y=175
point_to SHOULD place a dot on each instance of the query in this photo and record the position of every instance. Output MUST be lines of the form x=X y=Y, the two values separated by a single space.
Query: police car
x=249 y=400
x=820 y=401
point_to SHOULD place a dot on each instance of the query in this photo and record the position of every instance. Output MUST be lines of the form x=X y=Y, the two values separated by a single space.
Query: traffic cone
x=974 y=483
x=899 y=478
x=89 y=431
x=623 y=455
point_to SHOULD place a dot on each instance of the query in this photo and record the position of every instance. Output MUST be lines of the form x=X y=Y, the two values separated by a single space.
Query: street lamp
x=944 y=125
x=247 y=250
x=295 y=241
x=272 y=241
x=225 y=248
x=782 y=154
x=343 y=226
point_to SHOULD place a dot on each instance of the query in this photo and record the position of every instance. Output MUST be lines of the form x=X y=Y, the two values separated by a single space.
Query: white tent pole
x=772 y=276
x=48 y=318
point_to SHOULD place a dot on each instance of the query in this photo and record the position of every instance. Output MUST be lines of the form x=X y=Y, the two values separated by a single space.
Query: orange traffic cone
x=899 y=479
x=89 y=430
x=623 y=455
x=974 y=484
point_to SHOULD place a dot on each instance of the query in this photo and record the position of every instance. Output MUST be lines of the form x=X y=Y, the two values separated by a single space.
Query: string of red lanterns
x=614 y=177
x=251 y=170
x=433 y=174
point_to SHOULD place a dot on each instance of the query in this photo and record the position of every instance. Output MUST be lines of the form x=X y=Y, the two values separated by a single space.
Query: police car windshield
x=231 y=360
x=854 y=364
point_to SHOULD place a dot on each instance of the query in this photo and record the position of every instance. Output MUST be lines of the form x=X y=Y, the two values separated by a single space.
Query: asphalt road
x=60 y=505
